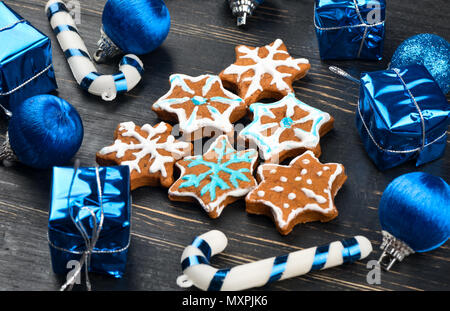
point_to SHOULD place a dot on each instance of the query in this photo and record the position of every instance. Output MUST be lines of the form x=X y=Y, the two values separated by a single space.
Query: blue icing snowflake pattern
x=215 y=168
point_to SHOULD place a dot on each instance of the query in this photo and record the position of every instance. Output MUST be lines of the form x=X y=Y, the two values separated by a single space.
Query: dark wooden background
x=202 y=40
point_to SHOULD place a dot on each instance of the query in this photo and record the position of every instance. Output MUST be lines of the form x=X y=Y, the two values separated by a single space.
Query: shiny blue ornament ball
x=429 y=50
x=415 y=208
x=136 y=26
x=45 y=131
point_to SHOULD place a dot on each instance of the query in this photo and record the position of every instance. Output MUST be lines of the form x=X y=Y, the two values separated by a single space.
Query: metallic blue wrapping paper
x=25 y=60
x=350 y=29
x=402 y=115
x=66 y=243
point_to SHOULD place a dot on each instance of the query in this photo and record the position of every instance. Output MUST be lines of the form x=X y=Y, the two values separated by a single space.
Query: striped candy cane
x=198 y=272
x=83 y=69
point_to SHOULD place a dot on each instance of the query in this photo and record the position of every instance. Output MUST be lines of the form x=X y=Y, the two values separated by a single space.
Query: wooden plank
x=202 y=40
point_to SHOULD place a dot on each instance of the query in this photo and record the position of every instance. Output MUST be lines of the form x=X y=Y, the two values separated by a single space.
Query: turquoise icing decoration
x=287 y=122
x=181 y=83
x=269 y=145
x=199 y=100
x=216 y=168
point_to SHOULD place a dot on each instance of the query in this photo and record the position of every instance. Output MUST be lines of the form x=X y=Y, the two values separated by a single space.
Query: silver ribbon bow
x=89 y=242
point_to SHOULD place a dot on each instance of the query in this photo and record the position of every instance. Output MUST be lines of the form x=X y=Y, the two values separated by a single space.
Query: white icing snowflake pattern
x=267 y=135
x=264 y=65
x=200 y=110
x=149 y=145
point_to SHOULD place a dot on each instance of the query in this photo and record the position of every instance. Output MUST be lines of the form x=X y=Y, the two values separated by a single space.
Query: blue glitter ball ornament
x=414 y=215
x=132 y=27
x=45 y=131
x=429 y=50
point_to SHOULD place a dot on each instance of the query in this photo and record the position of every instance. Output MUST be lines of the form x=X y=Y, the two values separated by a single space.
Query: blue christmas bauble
x=136 y=26
x=45 y=131
x=429 y=50
x=415 y=208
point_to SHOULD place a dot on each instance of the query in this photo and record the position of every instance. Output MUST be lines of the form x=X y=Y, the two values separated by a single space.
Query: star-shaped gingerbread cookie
x=150 y=152
x=201 y=105
x=286 y=128
x=301 y=192
x=264 y=72
x=217 y=178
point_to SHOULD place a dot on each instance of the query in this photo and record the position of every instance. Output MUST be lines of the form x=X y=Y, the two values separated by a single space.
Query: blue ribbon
x=279 y=265
x=218 y=279
x=203 y=246
x=62 y=28
x=75 y=52
x=88 y=79
x=132 y=62
x=120 y=82
x=193 y=261
x=320 y=257
x=55 y=8
x=351 y=251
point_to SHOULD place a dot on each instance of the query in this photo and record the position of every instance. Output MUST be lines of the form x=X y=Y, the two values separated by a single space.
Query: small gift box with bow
x=89 y=219
x=350 y=29
x=402 y=115
x=25 y=60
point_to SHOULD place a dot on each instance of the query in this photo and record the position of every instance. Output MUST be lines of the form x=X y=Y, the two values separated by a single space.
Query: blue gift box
x=25 y=60
x=350 y=29
x=77 y=196
x=402 y=115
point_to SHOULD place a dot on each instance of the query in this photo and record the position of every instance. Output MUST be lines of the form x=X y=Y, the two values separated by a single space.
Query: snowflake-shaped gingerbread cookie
x=201 y=105
x=216 y=179
x=264 y=72
x=301 y=192
x=286 y=128
x=150 y=152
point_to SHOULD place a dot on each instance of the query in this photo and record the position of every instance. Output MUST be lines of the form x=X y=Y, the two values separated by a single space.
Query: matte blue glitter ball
x=429 y=50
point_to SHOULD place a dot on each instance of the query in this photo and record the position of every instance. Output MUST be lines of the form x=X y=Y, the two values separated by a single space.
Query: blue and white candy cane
x=197 y=271
x=83 y=69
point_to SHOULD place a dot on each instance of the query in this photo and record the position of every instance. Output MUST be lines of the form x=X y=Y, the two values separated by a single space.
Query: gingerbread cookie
x=286 y=128
x=150 y=152
x=201 y=105
x=264 y=72
x=301 y=192
x=216 y=179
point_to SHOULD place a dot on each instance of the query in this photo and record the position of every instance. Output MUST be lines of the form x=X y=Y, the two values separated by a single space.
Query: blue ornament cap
x=414 y=215
x=134 y=26
x=429 y=50
x=45 y=131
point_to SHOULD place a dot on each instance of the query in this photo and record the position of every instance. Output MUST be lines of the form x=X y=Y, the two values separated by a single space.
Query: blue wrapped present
x=350 y=29
x=89 y=219
x=25 y=60
x=402 y=115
